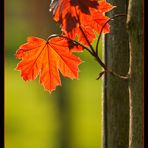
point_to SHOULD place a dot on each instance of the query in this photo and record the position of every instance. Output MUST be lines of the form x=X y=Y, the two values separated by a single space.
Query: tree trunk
x=116 y=96
x=134 y=24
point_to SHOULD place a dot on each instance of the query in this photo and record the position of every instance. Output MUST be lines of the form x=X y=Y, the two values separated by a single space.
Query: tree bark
x=135 y=30
x=116 y=96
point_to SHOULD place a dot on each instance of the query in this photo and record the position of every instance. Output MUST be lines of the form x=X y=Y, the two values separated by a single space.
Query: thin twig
x=57 y=35
x=87 y=40
x=79 y=44
x=114 y=74
x=100 y=75
x=117 y=75
x=92 y=49
x=110 y=19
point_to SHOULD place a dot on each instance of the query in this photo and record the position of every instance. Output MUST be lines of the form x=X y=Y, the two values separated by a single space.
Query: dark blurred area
x=70 y=117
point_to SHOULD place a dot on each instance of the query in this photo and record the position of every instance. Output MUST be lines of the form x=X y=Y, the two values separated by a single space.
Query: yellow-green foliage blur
x=70 y=117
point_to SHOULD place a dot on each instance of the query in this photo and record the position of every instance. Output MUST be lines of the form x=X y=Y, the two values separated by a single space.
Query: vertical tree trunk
x=134 y=24
x=116 y=96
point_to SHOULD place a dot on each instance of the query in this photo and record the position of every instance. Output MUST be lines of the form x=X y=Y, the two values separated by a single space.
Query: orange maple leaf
x=89 y=14
x=47 y=58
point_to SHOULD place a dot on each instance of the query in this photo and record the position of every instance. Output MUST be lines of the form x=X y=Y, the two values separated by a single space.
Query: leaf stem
x=110 y=19
x=87 y=40
x=57 y=35
x=92 y=49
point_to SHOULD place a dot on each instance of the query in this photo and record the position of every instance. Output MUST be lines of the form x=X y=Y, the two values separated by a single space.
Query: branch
x=92 y=51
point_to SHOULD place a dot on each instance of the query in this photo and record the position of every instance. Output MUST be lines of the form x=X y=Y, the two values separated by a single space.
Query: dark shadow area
x=84 y=6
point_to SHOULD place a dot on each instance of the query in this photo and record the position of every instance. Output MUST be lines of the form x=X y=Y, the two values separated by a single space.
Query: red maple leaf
x=80 y=18
x=47 y=58
x=87 y=14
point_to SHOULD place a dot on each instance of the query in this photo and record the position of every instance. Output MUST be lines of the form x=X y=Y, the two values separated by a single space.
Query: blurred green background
x=70 y=117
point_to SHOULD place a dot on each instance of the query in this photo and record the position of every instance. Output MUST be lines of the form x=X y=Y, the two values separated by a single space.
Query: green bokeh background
x=70 y=117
